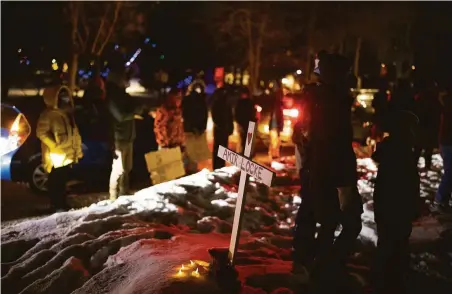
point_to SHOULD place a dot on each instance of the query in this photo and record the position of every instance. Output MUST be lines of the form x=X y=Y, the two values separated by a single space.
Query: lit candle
x=195 y=273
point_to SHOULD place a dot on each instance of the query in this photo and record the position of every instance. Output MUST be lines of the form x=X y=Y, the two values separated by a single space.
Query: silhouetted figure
x=380 y=104
x=305 y=222
x=244 y=113
x=396 y=202
x=223 y=122
x=122 y=111
x=429 y=113
x=276 y=124
x=195 y=114
x=403 y=96
x=304 y=252
x=333 y=176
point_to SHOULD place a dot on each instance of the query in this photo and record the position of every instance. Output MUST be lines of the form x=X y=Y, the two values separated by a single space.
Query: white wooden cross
x=247 y=167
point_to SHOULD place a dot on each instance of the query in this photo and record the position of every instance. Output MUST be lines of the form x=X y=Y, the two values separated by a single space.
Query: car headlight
x=18 y=133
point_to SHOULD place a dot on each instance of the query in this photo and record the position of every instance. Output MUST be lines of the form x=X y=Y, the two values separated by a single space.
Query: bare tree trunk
x=357 y=57
x=257 y=61
x=73 y=72
x=251 y=53
x=75 y=10
x=112 y=27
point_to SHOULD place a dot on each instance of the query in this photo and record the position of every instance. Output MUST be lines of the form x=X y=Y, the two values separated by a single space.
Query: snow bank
x=137 y=244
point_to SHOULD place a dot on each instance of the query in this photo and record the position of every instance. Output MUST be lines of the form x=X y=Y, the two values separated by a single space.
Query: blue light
x=154 y=45
x=134 y=56
x=147 y=40
x=28 y=62
x=81 y=72
x=116 y=47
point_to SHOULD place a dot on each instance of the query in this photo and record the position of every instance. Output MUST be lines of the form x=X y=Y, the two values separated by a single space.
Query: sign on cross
x=247 y=167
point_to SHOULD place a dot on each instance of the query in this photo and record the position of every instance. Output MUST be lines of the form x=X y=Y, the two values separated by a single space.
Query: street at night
x=226 y=147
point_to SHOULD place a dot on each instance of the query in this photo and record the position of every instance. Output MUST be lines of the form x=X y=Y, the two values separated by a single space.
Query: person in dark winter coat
x=195 y=115
x=122 y=111
x=244 y=113
x=403 y=96
x=396 y=201
x=223 y=123
x=305 y=222
x=332 y=161
x=276 y=124
x=194 y=110
x=380 y=105
x=444 y=193
x=428 y=110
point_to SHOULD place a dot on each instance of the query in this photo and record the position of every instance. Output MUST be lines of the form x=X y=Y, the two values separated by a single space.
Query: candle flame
x=191 y=262
x=180 y=272
x=195 y=273
x=182 y=267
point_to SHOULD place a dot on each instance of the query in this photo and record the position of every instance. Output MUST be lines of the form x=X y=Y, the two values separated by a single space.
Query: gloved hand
x=349 y=198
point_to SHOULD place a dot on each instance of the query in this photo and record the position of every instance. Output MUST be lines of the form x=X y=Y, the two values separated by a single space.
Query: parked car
x=21 y=149
x=292 y=111
x=15 y=130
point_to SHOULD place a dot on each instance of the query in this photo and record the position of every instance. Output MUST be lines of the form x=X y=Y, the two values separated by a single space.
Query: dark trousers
x=121 y=167
x=392 y=256
x=428 y=153
x=332 y=253
x=305 y=225
x=58 y=179
x=219 y=138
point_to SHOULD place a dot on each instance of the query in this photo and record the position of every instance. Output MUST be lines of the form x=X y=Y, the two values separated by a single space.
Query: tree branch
x=101 y=27
x=112 y=27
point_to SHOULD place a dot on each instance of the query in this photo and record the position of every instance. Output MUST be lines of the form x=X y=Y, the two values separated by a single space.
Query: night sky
x=185 y=43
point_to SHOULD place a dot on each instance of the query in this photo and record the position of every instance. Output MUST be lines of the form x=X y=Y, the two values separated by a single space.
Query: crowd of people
x=408 y=124
x=323 y=138
x=181 y=118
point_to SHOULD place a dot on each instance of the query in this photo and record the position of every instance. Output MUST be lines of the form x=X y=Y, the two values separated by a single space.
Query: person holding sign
x=195 y=114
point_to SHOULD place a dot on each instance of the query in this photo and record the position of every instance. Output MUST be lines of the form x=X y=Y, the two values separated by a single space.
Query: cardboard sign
x=165 y=165
x=247 y=167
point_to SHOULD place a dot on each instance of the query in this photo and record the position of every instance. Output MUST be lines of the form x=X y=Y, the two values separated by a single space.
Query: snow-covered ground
x=139 y=243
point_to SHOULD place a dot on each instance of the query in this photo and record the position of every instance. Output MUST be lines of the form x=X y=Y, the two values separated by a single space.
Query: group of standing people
x=61 y=141
x=432 y=106
x=323 y=138
x=230 y=104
